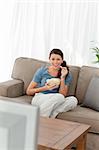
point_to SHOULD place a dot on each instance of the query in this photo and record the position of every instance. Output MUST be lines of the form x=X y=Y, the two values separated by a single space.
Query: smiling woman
x=49 y=95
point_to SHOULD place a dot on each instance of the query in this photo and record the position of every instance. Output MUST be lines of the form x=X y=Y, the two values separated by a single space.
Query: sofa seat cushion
x=83 y=115
x=92 y=141
x=22 y=99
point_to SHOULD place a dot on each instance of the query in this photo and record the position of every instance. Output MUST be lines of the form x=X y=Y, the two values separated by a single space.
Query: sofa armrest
x=11 y=88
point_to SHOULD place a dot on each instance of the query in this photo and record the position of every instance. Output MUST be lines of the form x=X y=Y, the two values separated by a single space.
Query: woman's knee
x=72 y=99
x=59 y=96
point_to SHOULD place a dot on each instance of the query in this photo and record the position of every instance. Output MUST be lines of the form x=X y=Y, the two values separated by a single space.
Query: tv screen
x=18 y=126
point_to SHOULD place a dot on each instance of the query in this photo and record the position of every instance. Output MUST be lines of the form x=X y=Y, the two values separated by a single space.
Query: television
x=19 y=125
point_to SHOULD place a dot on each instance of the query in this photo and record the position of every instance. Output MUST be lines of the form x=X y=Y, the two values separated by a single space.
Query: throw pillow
x=91 y=99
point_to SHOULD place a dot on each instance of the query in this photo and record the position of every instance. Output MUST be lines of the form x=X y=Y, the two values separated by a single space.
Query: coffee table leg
x=81 y=145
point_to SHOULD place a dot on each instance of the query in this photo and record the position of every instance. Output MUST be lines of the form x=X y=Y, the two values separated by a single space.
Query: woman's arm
x=32 y=88
x=63 y=88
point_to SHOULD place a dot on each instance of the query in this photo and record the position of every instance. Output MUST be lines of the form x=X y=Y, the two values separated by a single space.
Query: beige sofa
x=23 y=70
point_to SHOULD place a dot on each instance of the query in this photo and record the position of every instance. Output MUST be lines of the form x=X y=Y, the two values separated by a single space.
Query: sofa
x=22 y=73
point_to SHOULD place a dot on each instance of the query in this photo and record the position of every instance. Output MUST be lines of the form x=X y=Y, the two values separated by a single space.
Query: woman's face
x=55 y=60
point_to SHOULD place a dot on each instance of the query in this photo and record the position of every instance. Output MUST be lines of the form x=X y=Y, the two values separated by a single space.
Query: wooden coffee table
x=56 y=134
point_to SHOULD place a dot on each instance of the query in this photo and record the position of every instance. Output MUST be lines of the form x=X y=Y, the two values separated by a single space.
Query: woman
x=51 y=97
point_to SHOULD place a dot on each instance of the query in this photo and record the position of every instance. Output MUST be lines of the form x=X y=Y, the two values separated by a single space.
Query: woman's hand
x=50 y=86
x=64 y=72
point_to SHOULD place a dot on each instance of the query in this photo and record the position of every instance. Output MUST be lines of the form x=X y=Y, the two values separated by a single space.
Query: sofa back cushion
x=24 y=69
x=85 y=75
x=75 y=73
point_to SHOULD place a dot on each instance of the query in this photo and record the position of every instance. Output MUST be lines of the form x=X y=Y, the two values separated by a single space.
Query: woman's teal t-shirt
x=42 y=75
